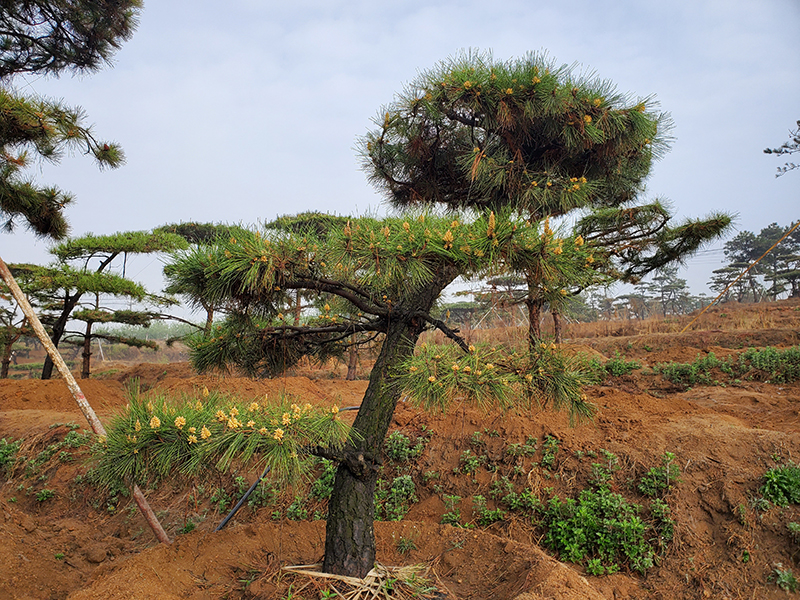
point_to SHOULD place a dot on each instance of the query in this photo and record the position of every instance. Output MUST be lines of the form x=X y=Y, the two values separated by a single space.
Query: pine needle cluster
x=477 y=132
x=437 y=377
x=156 y=437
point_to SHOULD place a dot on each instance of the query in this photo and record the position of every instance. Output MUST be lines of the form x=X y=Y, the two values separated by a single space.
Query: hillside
x=64 y=539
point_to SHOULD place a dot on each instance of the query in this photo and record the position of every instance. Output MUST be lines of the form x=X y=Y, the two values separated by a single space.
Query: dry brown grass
x=730 y=317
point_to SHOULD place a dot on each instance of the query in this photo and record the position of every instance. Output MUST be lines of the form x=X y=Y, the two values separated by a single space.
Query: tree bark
x=70 y=302
x=350 y=534
x=352 y=363
x=87 y=352
x=5 y=364
x=557 y=326
x=209 y=319
x=534 y=326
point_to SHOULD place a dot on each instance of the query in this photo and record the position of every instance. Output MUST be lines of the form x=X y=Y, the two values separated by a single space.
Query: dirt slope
x=75 y=545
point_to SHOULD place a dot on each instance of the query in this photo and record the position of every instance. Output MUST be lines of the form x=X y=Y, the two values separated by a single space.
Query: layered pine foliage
x=154 y=437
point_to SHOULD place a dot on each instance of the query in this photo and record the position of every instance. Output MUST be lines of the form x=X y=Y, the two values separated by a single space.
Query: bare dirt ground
x=78 y=545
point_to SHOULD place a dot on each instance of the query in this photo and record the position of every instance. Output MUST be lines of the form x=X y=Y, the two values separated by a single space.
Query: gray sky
x=245 y=110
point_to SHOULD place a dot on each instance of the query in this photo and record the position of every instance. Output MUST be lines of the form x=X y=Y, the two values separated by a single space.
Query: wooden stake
x=83 y=404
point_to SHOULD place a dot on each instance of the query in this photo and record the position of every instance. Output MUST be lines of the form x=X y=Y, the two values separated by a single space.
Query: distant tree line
x=776 y=276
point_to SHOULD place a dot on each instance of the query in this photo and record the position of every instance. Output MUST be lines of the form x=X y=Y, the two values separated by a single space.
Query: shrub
x=8 y=453
x=778 y=366
x=659 y=480
x=600 y=526
x=782 y=485
x=399 y=448
x=394 y=503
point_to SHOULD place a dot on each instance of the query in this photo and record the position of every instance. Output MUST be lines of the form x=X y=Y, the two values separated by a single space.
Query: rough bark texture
x=70 y=302
x=534 y=318
x=87 y=353
x=557 y=326
x=349 y=534
x=353 y=363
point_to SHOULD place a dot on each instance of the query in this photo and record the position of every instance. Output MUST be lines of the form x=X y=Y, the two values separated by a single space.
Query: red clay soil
x=724 y=438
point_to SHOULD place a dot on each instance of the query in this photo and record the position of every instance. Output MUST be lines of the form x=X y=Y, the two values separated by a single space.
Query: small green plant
x=453 y=514
x=549 y=451
x=428 y=476
x=794 y=531
x=485 y=516
x=399 y=448
x=8 y=453
x=469 y=463
x=476 y=440
x=600 y=526
x=221 y=498
x=528 y=448
x=618 y=366
x=322 y=486
x=393 y=503
x=782 y=485
x=405 y=545
x=44 y=495
x=664 y=523
x=741 y=513
x=187 y=527
x=59 y=556
x=772 y=365
x=263 y=495
x=659 y=480
x=296 y=510
x=784 y=578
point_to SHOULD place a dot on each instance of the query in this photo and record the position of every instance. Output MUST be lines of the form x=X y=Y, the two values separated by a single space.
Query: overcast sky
x=245 y=110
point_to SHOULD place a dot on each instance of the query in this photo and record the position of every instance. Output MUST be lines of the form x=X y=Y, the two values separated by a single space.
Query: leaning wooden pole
x=84 y=405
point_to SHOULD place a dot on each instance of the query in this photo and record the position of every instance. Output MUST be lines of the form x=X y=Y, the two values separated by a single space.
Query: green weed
x=453 y=514
x=784 y=578
x=485 y=516
x=549 y=451
x=393 y=503
x=600 y=526
x=659 y=480
x=8 y=453
x=399 y=447
x=782 y=485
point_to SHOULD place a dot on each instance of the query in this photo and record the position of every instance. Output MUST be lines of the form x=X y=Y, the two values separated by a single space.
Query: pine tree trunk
x=350 y=534
x=6 y=363
x=352 y=363
x=557 y=326
x=534 y=325
x=70 y=302
x=209 y=320
x=87 y=352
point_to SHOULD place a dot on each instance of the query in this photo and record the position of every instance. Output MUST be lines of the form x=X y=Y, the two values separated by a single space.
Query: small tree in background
x=780 y=267
x=790 y=147
x=83 y=269
x=185 y=272
x=97 y=313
